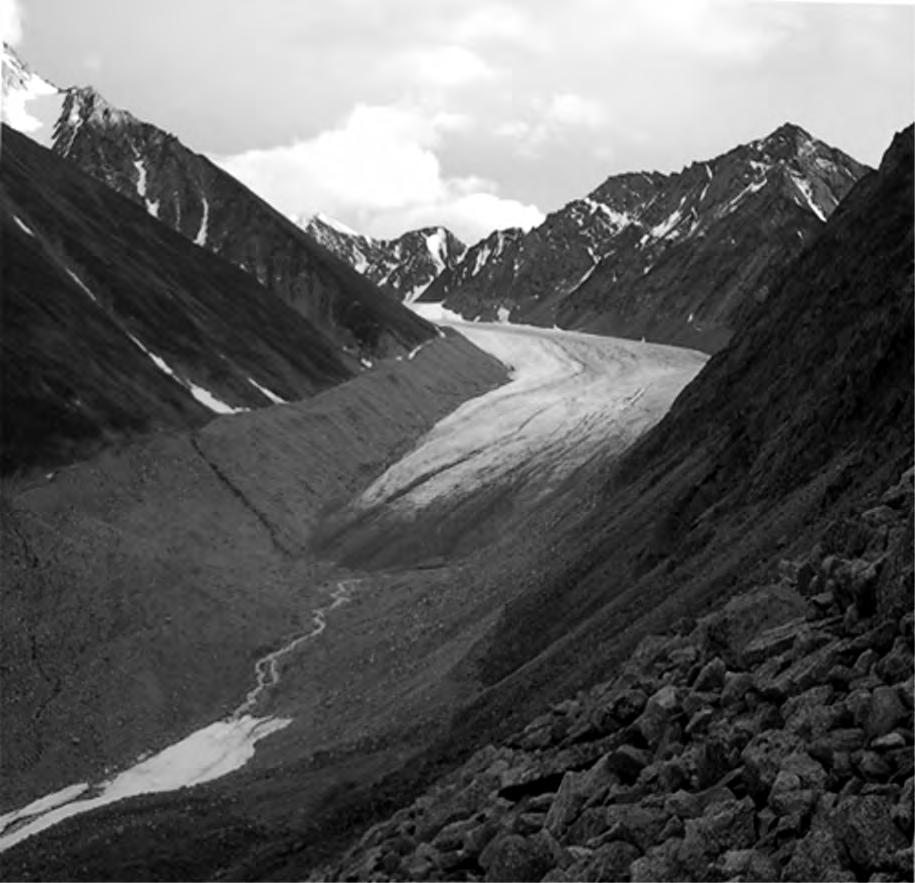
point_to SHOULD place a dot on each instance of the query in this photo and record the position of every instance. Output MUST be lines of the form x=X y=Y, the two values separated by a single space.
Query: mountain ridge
x=674 y=258
x=405 y=265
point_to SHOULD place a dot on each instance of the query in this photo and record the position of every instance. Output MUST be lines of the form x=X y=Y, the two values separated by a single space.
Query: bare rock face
x=404 y=266
x=209 y=207
x=677 y=258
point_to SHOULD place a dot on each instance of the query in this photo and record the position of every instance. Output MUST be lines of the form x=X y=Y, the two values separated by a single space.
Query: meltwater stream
x=205 y=755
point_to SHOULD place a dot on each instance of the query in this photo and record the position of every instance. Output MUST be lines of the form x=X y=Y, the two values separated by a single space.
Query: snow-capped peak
x=339 y=226
x=30 y=104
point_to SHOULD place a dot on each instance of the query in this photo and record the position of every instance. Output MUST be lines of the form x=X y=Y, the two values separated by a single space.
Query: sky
x=476 y=114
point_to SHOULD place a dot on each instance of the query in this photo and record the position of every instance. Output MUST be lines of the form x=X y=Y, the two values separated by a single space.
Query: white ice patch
x=264 y=391
x=730 y=205
x=662 y=230
x=435 y=242
x=141 y=177
x=201 y=237
x=82 y=285
x=803 y=185
x=23 y=225
x=618 y=219
x=204 y=396
x=366 y=363
x=43 y=804
x=339 y=226
x=436 y=313
x=208 y=754
x=30 y=104
x=503 y=313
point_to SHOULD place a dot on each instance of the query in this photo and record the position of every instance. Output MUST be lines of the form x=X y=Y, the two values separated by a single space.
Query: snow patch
x=23 y=225
x=339 y=226
x=503 y=313
x=141 y=177
x=264 y=391
x=437 y=245
x=201 y=237
x=30 y=104
x=208 y=754
x=662 y=230
x=82 y=285
x=803 y=185
x=618 y=219
x=204 y=396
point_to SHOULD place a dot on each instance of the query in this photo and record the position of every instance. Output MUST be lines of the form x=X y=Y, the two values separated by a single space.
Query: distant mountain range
x=405 y=266
x=672 y=258
x=189 y=193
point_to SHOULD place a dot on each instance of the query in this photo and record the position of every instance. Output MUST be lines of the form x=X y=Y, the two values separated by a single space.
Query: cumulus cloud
x=10 y=22
x=379 y=172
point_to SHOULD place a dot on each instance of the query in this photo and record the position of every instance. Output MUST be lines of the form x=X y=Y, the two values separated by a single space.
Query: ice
x=82 y=285
x=662 y=230
x=30 y=104
x=204 y=396
x=339 y=226
x=201 y=237
x=141 y=177
x=803 y=185
x=207 y=754
x=23 y=225
x=435 y=242
x=46 y=803
x=618 y=219
x=270 y=395
x=503 y=313
x=436 y=313
x=570 y=394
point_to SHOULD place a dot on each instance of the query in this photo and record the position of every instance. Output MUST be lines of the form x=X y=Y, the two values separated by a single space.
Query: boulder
x=609 y=862
x=883 y=712
x=711 y=676
x=627 y=762
x=638 y=824
x=723 y=826
x=728 y=631
x=764 y=755
x=745 y=864
x=511 y=857
x=659 y=864
x=864 y=827
x=816 y=858
x=736 y=686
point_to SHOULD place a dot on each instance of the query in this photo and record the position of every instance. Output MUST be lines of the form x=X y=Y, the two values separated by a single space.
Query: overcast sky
x=478 y=114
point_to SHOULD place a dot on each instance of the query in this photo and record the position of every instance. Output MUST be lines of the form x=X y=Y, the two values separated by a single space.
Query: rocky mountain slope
x=772 y=741
x=192 y=195
x=672 y=258
x=113 y=325
x=405 y=266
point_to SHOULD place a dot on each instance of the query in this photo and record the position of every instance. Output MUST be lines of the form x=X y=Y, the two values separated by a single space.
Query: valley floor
x=386 y=665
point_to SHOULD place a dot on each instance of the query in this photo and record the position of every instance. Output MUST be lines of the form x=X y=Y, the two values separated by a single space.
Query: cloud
x=569 y=109
x=560 y=115
x=379 y=172
x=500 y=23
x=443 y=66
x=10 y=21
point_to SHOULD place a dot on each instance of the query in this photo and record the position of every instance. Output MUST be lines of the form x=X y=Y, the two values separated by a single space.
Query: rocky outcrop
x=676 y=258
x=404 y=266
x=718 y=752
x=209 y=207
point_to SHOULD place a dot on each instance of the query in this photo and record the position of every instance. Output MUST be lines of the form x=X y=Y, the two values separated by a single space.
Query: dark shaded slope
x=93 y=288
x=208 y=206
x=803 y=418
